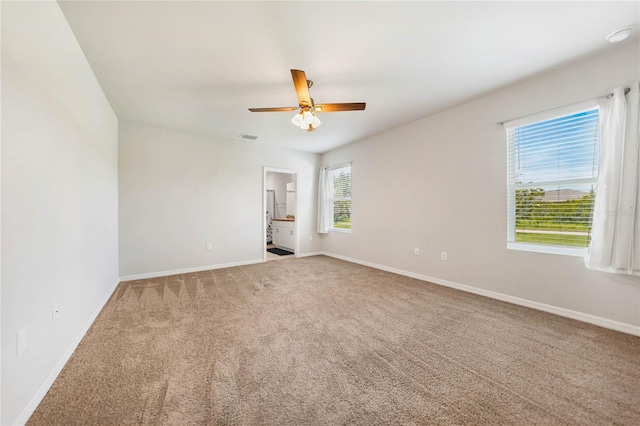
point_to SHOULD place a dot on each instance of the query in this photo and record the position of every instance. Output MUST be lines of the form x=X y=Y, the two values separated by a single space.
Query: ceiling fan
x=306 y=118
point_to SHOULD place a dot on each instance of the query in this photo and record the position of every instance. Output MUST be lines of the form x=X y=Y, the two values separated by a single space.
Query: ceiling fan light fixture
x=298 y=120
x=305 y=117
x=308 y=117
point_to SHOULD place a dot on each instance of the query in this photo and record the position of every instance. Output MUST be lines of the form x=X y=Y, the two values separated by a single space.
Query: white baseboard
x=46 y=385
x=580 y=316
x=188 y=270
x=204 y=268
x=311 y=253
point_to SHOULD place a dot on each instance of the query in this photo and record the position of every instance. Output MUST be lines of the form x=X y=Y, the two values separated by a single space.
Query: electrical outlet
x=443 y=255
x=55 y=311
x=209 y=246
x=310 y=237
x=21 y=340
x=416 y=251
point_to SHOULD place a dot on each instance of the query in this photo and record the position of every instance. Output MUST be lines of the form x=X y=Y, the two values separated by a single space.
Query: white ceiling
x=198 y=66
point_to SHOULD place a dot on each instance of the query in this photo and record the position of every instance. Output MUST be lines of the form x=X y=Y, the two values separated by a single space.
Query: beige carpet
x=319 y=341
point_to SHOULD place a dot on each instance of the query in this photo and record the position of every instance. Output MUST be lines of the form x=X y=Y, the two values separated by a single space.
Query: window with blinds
x=552 y=177
x=340 y=196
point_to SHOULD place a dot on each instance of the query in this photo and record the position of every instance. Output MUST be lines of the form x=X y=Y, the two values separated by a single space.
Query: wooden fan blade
x=278 y=109
x=352 y=106
x=302 y=87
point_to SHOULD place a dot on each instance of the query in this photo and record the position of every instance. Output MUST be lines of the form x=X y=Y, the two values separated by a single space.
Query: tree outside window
x=340 y=179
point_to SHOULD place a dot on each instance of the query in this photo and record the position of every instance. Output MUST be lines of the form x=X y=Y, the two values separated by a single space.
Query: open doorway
x=280 y=208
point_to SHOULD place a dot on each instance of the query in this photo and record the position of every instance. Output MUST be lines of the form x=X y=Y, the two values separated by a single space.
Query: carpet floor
x=319 y=341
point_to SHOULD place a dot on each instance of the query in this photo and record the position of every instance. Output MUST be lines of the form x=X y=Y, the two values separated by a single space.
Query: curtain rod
x=337 y=166
x=608 y=95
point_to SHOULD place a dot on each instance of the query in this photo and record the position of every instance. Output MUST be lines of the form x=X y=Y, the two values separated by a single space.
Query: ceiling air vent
x=250 y=137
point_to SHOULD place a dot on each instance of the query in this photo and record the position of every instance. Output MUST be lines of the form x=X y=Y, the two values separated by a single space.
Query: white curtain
x=325 y=212
x=615 y=241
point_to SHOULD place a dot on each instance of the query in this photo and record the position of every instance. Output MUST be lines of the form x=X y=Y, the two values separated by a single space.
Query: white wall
x=179 y=191
x=439 y=184
x=59 y=198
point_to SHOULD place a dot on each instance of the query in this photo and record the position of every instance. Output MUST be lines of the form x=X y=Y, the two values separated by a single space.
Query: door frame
x=266 y=170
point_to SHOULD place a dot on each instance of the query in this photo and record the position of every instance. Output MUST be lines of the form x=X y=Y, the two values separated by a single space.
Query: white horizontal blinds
x=340 y=192
x=553 y=170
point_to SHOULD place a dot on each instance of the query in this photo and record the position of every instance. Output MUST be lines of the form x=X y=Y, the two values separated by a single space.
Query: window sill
x=540 y=248
x=344 y=231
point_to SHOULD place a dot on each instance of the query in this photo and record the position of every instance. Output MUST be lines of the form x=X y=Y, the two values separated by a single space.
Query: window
x=340 y=196
x=552 y=176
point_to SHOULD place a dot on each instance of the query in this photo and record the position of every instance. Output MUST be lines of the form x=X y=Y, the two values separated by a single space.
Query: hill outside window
x=552 y=175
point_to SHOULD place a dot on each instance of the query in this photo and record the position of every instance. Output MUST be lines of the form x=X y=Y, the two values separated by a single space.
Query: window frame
x=332 y=199
x=512 y=187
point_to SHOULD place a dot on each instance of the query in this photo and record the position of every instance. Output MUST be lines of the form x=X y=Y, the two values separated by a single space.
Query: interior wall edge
x=563 y=312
